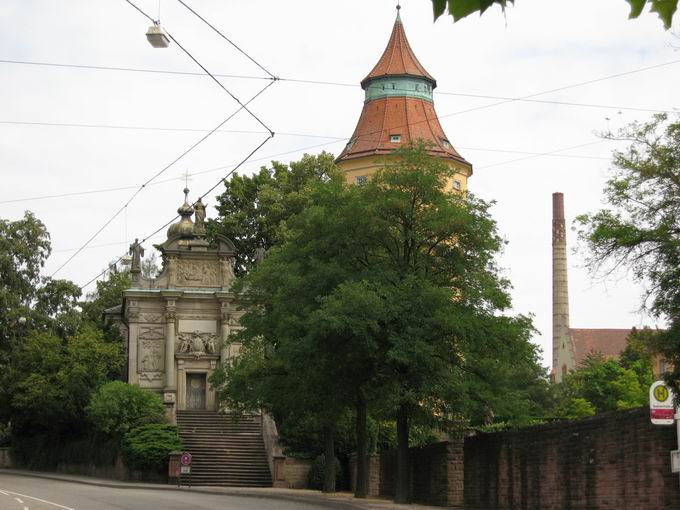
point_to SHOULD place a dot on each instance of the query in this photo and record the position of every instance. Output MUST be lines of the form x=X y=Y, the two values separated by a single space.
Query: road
x=25 y=493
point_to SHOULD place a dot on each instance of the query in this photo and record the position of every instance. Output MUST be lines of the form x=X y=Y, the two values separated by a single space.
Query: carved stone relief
x=197 y=343
x=196 y=273
x=151 y=357
x=149 y=332
x=150 y=317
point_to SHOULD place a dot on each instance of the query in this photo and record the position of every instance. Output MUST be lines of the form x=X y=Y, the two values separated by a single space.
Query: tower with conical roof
x=398 y=110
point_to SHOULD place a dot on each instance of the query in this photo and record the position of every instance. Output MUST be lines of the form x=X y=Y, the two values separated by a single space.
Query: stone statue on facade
x=199 y=215
x=260 y=253
x=137 y=253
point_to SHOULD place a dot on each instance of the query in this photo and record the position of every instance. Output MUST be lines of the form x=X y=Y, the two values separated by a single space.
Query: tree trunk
x=329 y=454
x=402 y=490
x=361 y=488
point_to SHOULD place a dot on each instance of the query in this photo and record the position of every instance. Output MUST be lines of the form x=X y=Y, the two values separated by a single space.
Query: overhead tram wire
x=228 y=40
x=522 y=99
x=205 y=70
x=221 y=180
x=156 y=175
x=293 y=151
x=242 y=106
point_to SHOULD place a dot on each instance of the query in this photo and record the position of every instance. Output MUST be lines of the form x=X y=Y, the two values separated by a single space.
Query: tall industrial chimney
x=563 y=359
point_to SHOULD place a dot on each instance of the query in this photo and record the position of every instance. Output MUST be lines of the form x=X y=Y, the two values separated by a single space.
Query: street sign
x=661 y=406
x=185 y=470
x=675 y=461
x=185 y=459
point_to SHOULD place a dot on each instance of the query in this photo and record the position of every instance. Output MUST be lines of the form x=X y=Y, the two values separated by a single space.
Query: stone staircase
x=227 y=450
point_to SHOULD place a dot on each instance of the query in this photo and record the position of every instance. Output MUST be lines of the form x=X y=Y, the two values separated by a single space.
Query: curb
x=308 y=498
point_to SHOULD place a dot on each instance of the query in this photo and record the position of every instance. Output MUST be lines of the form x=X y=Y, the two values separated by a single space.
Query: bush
x=316 y=473
x=119 y=407
x=147 y=447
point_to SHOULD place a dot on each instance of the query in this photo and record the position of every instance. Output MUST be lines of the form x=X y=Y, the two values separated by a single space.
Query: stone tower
x=398 y=110
x=563 y=355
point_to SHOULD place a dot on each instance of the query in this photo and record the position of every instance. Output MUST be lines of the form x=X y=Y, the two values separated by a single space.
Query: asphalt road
x=25 y=493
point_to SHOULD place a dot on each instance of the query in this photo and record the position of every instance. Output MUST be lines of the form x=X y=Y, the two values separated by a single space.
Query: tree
x=117 y=407
x=459 y=9
x=640 y=231
x=50 y=381
x=253 y=209
x=109 y=293
x=601 y=385
x=392 y=290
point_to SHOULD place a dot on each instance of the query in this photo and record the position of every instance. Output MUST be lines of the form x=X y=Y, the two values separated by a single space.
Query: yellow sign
x=661 y=393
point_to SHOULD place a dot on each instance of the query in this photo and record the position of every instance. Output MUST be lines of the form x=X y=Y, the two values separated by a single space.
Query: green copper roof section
x=399 y=86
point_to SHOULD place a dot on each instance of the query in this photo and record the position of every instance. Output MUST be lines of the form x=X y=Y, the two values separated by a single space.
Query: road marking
x=25 y=508
x=19 y=501
x=5 y=491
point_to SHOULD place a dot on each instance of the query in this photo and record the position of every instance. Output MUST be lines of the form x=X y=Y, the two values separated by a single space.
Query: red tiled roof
x=609 y=342
x=412 y=118
x=398 y=58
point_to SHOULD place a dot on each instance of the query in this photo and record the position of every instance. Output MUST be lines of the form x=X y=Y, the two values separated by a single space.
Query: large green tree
x=253 y=209
x=459 y=9
x=386 y=290
x=640 y=228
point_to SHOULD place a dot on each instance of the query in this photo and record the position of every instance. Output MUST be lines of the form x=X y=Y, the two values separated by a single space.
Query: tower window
x=361 y=179
x=457 y=185
x=395 y=138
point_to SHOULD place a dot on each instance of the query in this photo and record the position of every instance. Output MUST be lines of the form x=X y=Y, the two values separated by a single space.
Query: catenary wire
x=227 y=39
x=148 y=181
x=527 y=99
x=205 y=70
x=242 y=106
x=268 y=157
x=221 y=180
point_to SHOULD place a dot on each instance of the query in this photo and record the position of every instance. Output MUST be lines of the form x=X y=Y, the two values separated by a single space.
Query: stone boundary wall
x=5 y=458
x=297 y=473
x=435 y=478
x=615 y=460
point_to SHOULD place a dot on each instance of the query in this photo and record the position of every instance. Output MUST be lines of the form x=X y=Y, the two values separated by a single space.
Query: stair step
x=228 y=451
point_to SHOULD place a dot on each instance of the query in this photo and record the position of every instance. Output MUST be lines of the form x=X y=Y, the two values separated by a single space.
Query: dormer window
x=445 y=143
x=395 y=138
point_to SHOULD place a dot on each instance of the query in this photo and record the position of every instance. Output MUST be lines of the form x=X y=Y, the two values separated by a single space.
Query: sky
x=76 y=143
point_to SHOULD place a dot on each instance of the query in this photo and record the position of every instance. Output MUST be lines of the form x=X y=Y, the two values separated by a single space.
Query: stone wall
x=373 y=474
x=297 y=473
x=616 y=460
x=5 y=458
x=435 y=478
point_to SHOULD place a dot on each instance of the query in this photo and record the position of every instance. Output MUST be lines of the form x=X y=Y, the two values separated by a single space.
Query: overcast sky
x=539 y=45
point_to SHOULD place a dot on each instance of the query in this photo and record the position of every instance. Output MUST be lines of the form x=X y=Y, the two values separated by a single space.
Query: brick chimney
x=563 y=357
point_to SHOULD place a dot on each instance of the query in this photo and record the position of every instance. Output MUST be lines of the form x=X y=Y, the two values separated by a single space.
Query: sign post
x=661 y=406
x=185 y=465
x=662 y=412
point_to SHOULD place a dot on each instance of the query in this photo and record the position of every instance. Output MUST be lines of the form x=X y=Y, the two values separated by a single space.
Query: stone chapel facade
x=179 y=323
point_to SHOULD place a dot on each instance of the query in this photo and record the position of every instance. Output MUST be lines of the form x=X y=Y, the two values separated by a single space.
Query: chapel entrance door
x=196 y=386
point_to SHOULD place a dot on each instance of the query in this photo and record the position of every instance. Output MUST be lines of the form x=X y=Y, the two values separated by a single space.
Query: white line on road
x=5 y=491
x=19 y=501
x=25 y=508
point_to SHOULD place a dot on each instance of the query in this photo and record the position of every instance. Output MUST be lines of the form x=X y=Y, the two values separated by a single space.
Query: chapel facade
x=179 y=323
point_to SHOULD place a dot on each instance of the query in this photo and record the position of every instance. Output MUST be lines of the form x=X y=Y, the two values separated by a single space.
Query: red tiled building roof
x=609 y=342
x=398 y=59
x=412 y=116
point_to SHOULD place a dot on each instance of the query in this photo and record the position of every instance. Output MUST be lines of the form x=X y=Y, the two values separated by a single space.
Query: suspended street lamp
x=157 y=36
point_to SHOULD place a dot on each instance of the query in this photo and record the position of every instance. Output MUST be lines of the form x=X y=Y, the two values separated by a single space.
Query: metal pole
x=677 y=431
